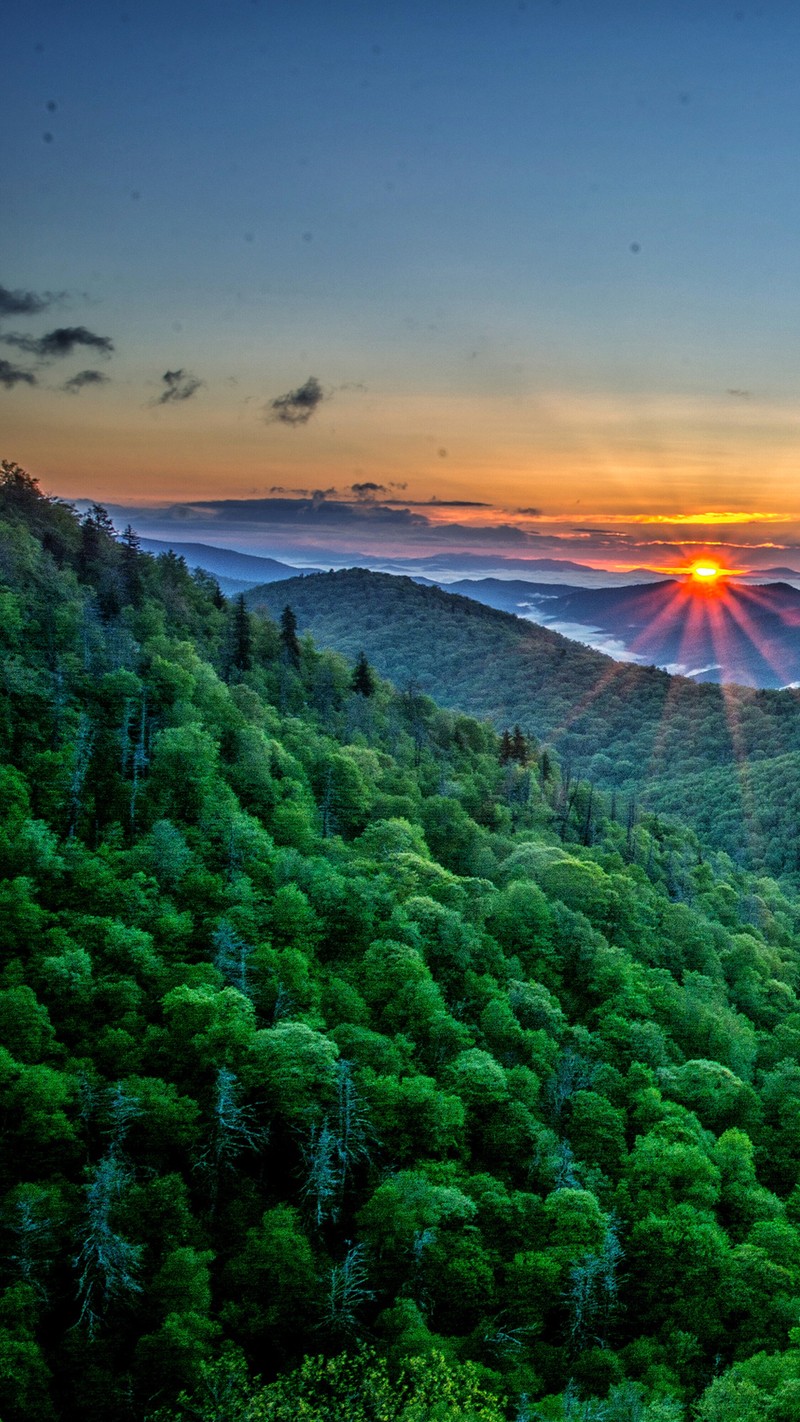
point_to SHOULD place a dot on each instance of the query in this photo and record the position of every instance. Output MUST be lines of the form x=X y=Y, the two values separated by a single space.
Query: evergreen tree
x=98 y=539
x=18 y=489
x=363 y=680
x=130 y=566
x=289 y=640
x=519 y=746
x=242 y=655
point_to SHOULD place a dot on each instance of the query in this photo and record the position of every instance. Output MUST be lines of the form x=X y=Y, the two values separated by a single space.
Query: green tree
x=241 y=636
x=363 y=680
x=289 y=639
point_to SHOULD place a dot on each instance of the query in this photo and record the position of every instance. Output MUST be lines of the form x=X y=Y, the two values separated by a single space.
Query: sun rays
x=710 y=625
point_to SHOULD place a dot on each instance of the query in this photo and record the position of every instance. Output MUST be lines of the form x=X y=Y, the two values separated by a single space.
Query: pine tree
x=130 y=566
x=363 y=680
x=98 y=537
x=289 y=641
x=242 y=656
x=519 y=746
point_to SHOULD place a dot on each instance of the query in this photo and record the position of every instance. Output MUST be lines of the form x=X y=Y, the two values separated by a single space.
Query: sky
x=518 y=279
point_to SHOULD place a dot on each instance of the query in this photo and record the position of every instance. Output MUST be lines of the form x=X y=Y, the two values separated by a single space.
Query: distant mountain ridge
x=235 y=572
x=618 y=724
x=732 y=632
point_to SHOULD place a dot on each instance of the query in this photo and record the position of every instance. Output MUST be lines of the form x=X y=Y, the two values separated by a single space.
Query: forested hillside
x=617 y=725
x=358 y=1062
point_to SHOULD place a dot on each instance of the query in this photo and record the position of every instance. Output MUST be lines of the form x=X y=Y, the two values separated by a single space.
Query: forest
x=722 y=759
x=365 y=1060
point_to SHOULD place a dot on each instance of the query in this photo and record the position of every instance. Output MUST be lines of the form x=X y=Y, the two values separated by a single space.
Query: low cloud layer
x=84 y=378
x=179 y=385
x=60 y=342
x=297 y=406
x=359 y=524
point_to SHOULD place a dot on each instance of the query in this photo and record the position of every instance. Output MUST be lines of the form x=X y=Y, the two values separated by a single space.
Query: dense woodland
x=360 y=1062
x=724 y=759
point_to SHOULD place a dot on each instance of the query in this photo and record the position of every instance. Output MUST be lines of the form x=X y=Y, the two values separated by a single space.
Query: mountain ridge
x=618 y=724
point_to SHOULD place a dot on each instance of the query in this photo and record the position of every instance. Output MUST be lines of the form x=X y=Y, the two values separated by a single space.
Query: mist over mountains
x=749 y=635
x=729 y=633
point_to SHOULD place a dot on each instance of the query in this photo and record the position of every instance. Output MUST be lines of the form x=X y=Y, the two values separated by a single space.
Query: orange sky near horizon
x=571 y=457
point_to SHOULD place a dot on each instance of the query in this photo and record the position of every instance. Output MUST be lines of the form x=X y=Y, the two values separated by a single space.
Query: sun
x=705 y=571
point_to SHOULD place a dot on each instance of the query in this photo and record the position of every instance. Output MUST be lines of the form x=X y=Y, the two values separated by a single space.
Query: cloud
x=435 y=502
x=297 y=406
x=11 y=375
x=318 y=509
x=531 y=513
x=739 y=395
x=367 y=490
x=82 y=379
x=60 y=342
x=180 y=385
x=316 y=495
x=590 y=637
x=24 y=303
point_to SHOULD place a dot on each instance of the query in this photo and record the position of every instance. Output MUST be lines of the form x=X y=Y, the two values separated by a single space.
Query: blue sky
x=556 y=241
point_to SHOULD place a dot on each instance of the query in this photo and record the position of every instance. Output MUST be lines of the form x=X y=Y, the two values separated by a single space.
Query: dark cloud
x=60 y=342
x=24 y=303
x=532 y=513
x=368 y=490
x=740 y=394
x=11 y=375
x=82 y=379
x=297 y=406
x=318 y=508
x=179 y=385
x=299 y=494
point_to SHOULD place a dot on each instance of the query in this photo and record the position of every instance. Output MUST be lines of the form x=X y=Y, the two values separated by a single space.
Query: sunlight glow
x=706 y=572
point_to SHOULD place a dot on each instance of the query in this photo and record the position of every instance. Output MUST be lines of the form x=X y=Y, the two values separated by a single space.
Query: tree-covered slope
x=617 y=724
x=334 y=1027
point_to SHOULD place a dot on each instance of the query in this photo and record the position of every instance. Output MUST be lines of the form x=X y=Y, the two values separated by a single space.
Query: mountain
x=770 y=574
x=444 y=567
x=456 y=562
x=731 y=632
x=234 y=571
x=358 y=1062
x=618 y=723
x=726 y=632
x=513 y=594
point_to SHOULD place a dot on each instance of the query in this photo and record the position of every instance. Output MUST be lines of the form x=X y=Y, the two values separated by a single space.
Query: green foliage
x=675 y=744
x=351 y=1389
x=326 y=1015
